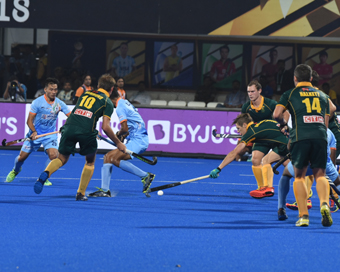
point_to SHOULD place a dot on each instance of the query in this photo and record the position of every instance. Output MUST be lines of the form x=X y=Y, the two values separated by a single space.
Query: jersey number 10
x=87 y=102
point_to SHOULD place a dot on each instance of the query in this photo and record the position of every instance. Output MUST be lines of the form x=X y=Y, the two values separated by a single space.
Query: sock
x=129 y=167
x=268 y=175
x=106 y=176
x=85 y=178
x=47 y=162
x=53 y=166
x=17 y=164
x=300 y=192
x=257 y=170
x=284 y=186
x=309 y=182
x=338 y=187
x=322 y=187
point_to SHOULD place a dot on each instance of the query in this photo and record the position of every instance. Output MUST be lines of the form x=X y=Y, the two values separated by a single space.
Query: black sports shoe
x=100 y=193
x=39 y=184
x=281 y=214
x=147 y=182
x=81 y=197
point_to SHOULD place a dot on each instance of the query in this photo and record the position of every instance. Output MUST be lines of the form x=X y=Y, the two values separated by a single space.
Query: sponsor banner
x=12 y=121
x=170 y=130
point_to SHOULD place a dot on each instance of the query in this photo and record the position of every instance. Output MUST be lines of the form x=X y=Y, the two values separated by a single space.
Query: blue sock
x=106 y=176
x=47 y=162
x=338 y=187
x=284 y=186
x=129 y=167
x=17 y=164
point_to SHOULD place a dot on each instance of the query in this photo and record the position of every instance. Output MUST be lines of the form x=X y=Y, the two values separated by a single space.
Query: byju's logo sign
x=159 y=132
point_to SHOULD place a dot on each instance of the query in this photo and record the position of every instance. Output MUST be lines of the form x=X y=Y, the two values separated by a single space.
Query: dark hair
x=13 y=77
x=256 y=84
x=242 y=118
x=323 y=53
x=118 y=78
x=272 y=51
x=114 y=94
x=124 y=43
x=51 y=80
x=86 y=75
x=326 y=84
x=225 y=47
x=106 y=82
x=303 y=72
x=315 y=80
x=141 y=82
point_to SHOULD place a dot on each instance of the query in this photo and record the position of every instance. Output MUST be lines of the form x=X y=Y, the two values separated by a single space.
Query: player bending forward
x=80 y=128
x=133 y=127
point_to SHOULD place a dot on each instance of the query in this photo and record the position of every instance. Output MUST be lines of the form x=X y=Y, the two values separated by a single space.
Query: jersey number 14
x=315 y=106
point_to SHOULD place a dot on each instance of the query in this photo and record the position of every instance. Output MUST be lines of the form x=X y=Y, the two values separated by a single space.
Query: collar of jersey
x=259 y=107
x=251 y=123
x=104 y=92
x=47 y=101
x=117 y=101
x=304 y=83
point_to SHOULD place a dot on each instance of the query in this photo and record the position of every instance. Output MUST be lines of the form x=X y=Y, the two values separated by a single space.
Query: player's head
x=67 y=85
x=302 y=73
x=87 y=80
x=51 y=88
x=120 y=82
x=106 y=82
x=124 y=48
x=236 y=85
x=273 y=55
x=323 y=56
x=281 y=64
x=315 y=78
x=241 y=122
x=141 y=86
x=114 y=96
x=224 y=51
x=174 y=49
x=254 y=90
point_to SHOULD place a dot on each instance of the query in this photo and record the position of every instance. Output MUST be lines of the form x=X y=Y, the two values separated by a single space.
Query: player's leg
x=52 y=154
x=18 y=162
x=86 y=176
x=284 y=186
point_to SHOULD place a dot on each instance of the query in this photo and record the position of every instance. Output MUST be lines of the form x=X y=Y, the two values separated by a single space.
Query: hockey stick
x=170 y=185
x=218 y=135
x=131 y=153
x=331 y=193
x=4 y=143
x=281 y=161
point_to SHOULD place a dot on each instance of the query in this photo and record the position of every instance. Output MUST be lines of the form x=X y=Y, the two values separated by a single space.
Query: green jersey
x=308 y=107
x=263 y=112
x=264 y=131
x=90 y=107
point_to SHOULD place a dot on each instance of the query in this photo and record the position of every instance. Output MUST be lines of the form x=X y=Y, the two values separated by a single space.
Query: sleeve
x=284 y=99
x=248 y=137
x=80 y=91
x=108 y=109
x=121 y=112
x=64 y=108
x=327 y=108
x=34 y=106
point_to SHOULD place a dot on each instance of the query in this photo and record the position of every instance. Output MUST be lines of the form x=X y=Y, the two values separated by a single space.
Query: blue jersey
x=46 y=114
x=123 y=66
x=127 y=112
x=331 y=144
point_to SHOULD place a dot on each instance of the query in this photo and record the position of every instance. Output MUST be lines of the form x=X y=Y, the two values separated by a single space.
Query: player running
x=132 y=128
x=266 y=135
x=80 y=128
x=42 y=119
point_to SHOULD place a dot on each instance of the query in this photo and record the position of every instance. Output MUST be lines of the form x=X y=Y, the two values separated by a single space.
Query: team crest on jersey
x=55 y=108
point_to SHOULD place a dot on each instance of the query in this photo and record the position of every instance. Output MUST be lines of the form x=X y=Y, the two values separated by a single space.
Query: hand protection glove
x=214 y=173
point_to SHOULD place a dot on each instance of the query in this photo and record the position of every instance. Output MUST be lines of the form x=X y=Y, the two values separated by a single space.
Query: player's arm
x=166 y=67
x=228 y=159
x=109 y=132
x=123 y=132
x=278 y=115
x=333 y=155
x=30 y=119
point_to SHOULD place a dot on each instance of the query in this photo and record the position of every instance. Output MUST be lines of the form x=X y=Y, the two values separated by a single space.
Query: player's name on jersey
x=309 y=94
x=94 y=94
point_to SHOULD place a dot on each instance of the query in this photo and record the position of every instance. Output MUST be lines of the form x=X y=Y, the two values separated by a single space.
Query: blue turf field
x=209 y=225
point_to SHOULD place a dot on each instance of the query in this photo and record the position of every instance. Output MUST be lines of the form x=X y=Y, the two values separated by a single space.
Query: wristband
x=33 y=131
x=219 y=169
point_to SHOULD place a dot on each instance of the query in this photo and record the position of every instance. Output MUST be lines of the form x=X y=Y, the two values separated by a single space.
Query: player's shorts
x=71 y=135
x=331 y=171
x=263 y=147
x=138 y=143
x=47 y=142
x=311 y=152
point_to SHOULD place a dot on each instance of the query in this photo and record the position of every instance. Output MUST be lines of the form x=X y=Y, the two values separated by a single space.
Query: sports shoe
x=332 y=206
x=147 y=182
x=47 y=183
x=281 y=213
x=310 y=193
x=262 y=192
x=39 y=184
x=100 y=193
x=80 y=197
x=294 y=205
x=11 y=176
x=303 y=221
x=326 y=220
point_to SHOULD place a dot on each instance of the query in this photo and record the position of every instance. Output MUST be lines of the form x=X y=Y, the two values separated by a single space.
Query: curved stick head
x=214 y=132
x=275 y=172
x=4 y=142
x=154 y=160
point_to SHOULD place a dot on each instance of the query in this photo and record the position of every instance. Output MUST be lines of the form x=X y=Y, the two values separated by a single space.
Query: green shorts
x=71 y=135
x=264 y=147
x=312 y=151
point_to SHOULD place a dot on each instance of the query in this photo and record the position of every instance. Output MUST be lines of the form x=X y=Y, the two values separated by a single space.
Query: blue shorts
x=330 y=170
x=47 y=142
x=138 y=143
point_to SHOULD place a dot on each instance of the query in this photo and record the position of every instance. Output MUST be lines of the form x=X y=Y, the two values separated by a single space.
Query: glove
x=214 y=173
